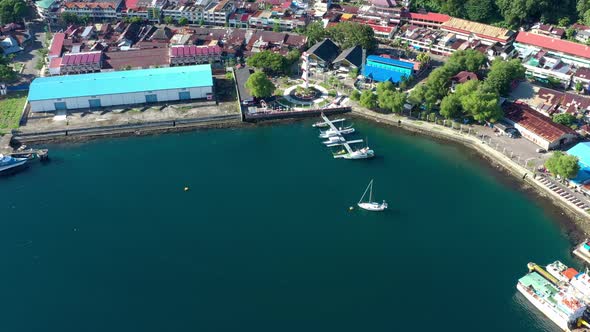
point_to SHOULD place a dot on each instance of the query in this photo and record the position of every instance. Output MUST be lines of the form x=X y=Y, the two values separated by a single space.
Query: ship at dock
x=560 y=293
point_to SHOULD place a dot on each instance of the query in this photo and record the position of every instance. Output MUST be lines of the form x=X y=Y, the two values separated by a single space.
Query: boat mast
x=371 y=192
x=370 y=183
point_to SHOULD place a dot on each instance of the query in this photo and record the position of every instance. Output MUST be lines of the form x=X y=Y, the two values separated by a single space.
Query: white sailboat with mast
x=370 y=205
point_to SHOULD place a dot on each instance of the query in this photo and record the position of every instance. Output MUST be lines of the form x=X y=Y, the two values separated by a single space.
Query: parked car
x=541 y=150
x=512 y=132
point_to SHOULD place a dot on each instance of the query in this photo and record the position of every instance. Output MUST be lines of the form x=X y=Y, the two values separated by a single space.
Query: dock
x=583 y=254
x=7 y=149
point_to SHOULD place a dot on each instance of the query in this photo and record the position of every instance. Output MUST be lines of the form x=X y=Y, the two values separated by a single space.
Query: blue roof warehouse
x=381 y=69
x=47 y=94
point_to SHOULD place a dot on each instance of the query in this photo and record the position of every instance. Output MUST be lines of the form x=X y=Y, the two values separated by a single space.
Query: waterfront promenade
x=480 y=139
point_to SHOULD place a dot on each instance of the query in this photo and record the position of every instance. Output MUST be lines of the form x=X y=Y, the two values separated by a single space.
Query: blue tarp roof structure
x=382 y=75
x=582 y=151
x=393 y=62
x=127 y=81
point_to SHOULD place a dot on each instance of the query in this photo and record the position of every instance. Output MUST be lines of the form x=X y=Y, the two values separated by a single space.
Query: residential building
x=96 y=9
x=426 y=20
x=285 y=21
x=183 y=55
x=9 y=45
x=46 y=8
x=78 y=63
x=582 y=75
x=569 y=52
x=546 y=68
x=462 y=77
x=382 y=69
x=548 y=30
x=469 y=30
x=216 y=13
x=56 y=45
x=48 y=94
x=537 y=127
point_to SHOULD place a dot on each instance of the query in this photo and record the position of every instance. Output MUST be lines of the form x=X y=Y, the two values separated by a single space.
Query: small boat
x=8 y=162
x=362 y=153
x=370 y=205
x=334 y=140
x=324 y=124
x=341 y=131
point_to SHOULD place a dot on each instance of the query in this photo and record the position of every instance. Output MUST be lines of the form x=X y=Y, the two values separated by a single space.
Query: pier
x=7 y=149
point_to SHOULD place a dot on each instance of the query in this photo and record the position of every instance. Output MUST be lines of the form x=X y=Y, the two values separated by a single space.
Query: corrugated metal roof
x=382 y=75
x=393 y=62
x=129 y=81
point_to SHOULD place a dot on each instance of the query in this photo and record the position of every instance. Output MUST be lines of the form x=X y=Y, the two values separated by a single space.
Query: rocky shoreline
x=575 y=222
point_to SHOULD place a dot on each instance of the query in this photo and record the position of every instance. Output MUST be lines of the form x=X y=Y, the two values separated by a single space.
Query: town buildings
x=48 y=94
x=537 y=127
x=381 y=69
x=569 y=52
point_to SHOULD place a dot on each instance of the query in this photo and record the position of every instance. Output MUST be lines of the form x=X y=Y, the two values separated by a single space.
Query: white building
x=48 y=94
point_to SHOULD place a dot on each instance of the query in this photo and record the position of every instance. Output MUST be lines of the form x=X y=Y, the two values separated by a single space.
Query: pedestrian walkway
x=564 y=192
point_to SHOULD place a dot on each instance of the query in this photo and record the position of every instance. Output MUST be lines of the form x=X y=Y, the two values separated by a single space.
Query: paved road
x=29 y=56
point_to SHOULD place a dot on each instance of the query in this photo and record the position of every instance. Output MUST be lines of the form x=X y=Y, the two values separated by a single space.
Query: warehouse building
x=47 y=94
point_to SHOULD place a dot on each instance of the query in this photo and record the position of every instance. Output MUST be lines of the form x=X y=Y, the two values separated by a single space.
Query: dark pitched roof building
x=242 y=75
x=325 y=51
x=351 y=57
x=464 y=76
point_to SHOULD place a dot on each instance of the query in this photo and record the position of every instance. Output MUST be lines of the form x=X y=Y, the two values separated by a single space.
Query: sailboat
x=370 y=205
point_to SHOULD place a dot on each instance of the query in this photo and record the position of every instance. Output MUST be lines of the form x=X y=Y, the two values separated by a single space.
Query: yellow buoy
x=186 y=188
x=350 y=208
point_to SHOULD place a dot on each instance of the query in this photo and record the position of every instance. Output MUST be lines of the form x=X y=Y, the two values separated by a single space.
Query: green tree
x=69 y=18
x=579 y=86
x=482 y=106
x=417 y=95
x=348 y=34
x=452 y=7
x=7 y=73
x=293 y=56
x=259 y=85
x=276 y=27
x=480 y=10
x=470 y=60
x=355 y=95
x=183 y=21
x=384 y=86
x=564 y=22
x=201 y=22
x=565 y=119
x=353 y=73
x=315 y=32
x=564 y=165
x=168 y=20
x=423 y=58
x=586 y=17
x=12 y=11
x=136 y=19
x=502 y=73
x=450 y=107
x=269 y=62
x=569 y=33
x=368 y=99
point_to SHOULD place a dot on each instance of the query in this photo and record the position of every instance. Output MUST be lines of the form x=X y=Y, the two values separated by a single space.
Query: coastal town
x=513 y=86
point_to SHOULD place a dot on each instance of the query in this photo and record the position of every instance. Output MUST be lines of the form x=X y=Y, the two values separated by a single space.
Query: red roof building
x=579 y=52
x=56 y=46
x=536 y=127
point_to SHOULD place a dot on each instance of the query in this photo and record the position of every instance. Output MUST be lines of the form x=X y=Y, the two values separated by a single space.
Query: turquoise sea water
x=104 y=238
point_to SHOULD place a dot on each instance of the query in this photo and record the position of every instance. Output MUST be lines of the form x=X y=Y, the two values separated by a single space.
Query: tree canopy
x=470 y=99
x=565 y=119
x=12 y=11
x=183 y=21
x=502 y=73
x=348 y=34
x=269 y=62
x=507 y=12
x=259 y=85
x=566 y=166
x=368 y=99
x=389 y=99
x=7 y=73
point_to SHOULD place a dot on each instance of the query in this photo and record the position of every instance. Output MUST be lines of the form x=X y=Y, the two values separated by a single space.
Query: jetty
x=347 y=152
x=22 y=152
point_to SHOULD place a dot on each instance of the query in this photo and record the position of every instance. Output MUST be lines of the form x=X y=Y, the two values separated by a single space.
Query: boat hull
x=373 y=206
x=14 y=165
x=544 y=307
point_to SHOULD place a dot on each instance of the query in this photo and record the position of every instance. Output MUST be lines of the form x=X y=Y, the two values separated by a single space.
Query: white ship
x=557 y=300
x=8 y=162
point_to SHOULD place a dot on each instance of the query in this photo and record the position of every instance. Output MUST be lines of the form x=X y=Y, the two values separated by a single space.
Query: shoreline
x=575 y=223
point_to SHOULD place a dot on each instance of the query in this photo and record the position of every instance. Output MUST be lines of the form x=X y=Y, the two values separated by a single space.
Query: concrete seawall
x=580 y=217
x=126 y=129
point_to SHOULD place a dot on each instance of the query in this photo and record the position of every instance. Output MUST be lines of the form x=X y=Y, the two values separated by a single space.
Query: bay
x=104 y=237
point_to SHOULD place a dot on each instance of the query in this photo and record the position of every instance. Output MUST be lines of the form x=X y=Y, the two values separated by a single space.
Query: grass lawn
x=11 y=108
x=17 y=66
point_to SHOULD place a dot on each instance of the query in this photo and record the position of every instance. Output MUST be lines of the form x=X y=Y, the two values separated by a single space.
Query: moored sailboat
x=370 y=205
